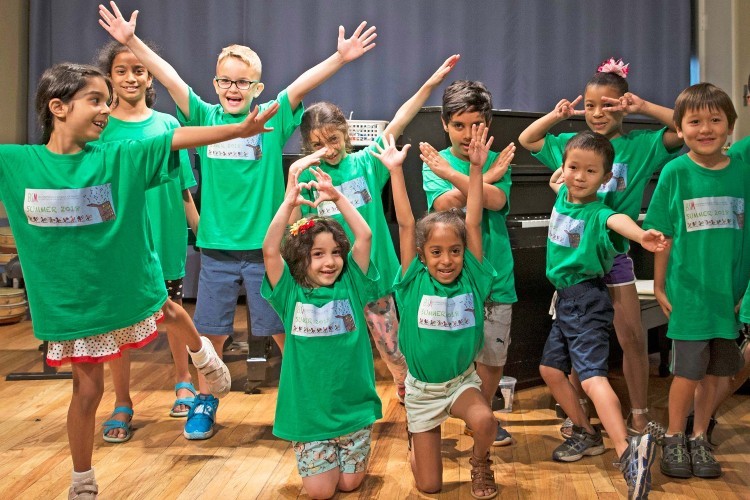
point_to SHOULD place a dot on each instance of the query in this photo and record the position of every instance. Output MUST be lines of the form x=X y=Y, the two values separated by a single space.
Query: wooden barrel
x=7 y=241
x=13 y=305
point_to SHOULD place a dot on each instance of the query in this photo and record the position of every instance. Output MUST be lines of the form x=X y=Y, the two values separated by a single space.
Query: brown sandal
x=482 y=476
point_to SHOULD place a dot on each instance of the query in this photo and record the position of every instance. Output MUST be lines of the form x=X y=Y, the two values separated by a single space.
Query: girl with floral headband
x=319 y=285
x=638 y=154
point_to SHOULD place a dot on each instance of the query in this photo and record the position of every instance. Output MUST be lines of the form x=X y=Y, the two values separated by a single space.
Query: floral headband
x=301 y=226
x=611 y=66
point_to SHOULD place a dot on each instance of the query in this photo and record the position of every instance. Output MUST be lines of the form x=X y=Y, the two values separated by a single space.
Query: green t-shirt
x=82 y=233
x=166 y=208
x=741 y=149
x=441 y=329
x=745 y=309
x=360 y=177
x=495 y=241
x=709 y=264
x=580 y=247
x=638 y=154
x=242 y=180
x=327 y=383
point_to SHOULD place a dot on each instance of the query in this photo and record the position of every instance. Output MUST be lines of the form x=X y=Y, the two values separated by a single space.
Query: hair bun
x=617 y=67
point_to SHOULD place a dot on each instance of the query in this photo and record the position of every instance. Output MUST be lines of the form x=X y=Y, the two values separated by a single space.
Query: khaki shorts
x=429 y=404
x=497 y=318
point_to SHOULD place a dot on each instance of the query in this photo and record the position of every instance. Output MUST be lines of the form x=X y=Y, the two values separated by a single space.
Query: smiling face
x=233 y=100
x=443 y=253
x=459 y=131
x=332 y=138
x=705 y=131
x=583 y=171
x=84 y=117
x=607 y=123
x=326 y=261
x=130 y=79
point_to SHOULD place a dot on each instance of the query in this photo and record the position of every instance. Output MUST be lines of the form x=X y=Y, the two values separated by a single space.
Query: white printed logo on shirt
x=355 y=191
x=565 y=231
x=714 y=212
x=446 y=313
x=334 y=318
x=69 y=207
x=242 y=148
x=618 y=182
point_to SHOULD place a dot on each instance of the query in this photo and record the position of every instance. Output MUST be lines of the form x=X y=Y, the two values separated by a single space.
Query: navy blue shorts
x=580 y=334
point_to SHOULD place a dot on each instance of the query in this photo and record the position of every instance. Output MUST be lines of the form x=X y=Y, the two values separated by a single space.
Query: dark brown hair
x=588 y=140
x=454 y=218
x=323 y=116
x=106 y=57
x=703 y=96
x=295 y=249
x=613 y=80
x=464 y=96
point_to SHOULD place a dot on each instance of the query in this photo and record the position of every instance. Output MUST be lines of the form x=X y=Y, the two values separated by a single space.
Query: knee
x=551 y=376
x=321 y=490
x=429 y=486
x=350 y=482
x=170 y=311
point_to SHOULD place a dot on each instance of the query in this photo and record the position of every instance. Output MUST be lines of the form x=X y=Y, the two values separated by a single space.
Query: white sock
x=79 y=477
x=200 y=358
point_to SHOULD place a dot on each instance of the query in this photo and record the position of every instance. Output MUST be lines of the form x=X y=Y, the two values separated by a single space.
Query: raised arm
x=393 y=159
x=348 y=49
x=630 y=104
x=478 y=149
x=533 y=137
x=124 y=32
x=275 y=234
x=556 y=180
x=295 y=169
x=409 y=109
x=362 y=243
x=192 y=137
x=651 y=239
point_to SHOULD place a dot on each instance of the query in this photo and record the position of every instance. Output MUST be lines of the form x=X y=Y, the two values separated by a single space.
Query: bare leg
x=705 y=394
x=681 y=394
x=88 y=387
x=120 y=368
x=383 y=325
x=426 y=462
x=566 y=396
x=632 y=340
x=178 y=322
x=608 y=408
x=181 y=367
x=490 y=377
x=322 y=485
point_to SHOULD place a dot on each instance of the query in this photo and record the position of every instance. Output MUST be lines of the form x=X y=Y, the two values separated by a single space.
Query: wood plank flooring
x=244 y=460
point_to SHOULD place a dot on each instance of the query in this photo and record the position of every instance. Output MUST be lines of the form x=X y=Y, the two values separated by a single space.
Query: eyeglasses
x=225 y=83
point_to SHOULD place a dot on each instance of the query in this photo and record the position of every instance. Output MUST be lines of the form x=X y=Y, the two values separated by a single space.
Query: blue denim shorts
x=580 y=333
x=223 y=272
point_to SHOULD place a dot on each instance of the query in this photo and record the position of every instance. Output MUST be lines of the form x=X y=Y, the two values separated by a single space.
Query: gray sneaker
x=635 y=465
x=675 y=458
x=580 y=444
x=705 y=464
x=215 y=371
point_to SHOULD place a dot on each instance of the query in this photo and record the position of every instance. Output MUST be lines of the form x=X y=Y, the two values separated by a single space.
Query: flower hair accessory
x=301 y=226
x=611 y=66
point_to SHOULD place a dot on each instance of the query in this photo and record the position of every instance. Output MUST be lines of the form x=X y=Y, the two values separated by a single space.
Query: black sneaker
x=705 y=464
x=709 y=432
x=580 y=444
x=675 y=458
x=635 y=465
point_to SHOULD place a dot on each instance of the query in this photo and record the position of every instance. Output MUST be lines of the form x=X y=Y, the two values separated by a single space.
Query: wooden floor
x=244 y=460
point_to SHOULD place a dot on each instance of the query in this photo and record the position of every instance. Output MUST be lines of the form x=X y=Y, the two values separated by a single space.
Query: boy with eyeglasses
x=242 y=183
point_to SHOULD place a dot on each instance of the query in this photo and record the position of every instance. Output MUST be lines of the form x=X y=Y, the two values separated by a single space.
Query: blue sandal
x=112 y=424
x=189 y=402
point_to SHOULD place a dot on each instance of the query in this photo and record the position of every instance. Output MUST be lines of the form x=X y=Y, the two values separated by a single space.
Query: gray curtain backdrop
x=530 y=53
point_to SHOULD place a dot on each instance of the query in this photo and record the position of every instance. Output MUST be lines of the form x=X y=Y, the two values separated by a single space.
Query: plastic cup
x=506 y=389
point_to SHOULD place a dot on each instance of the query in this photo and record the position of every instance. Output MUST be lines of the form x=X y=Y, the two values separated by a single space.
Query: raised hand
x=445 y=68
x=255 y=123
x=565 y=108
x=432 y=159
x=299 y=166
x=500 y=166
x=116 y=25
x=653 y=241
x=479 y=146
x=629 y=103
x=293 y=196
x=351 y=48
x=390 y=156
x=324 y=186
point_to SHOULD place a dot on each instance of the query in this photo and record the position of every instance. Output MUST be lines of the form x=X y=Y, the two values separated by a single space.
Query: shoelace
x=702 y=453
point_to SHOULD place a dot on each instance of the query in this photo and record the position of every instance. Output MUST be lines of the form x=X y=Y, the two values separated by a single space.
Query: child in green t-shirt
x=327 y=401
x=87 y=201
x=361 y=177
x=168 y=206
x=237 y=177
x=638 y=154
x=443 y=285
x=581 y=247
x=445 y=180
x=699 y=203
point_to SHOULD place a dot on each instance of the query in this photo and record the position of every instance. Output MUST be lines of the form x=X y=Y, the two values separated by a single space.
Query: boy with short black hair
x=581 y=247
x=467 y=103
x=699 y=203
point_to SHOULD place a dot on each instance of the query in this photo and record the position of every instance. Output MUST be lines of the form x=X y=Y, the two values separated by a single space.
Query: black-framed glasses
x=225 y=83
